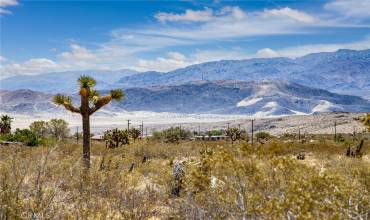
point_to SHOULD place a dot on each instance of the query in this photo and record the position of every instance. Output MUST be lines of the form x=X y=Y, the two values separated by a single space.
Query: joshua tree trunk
x=86 y=139
x=85 y=113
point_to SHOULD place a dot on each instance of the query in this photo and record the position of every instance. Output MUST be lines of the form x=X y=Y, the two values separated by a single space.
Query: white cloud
x=4 y=11
x=291 y=13
x=2 y=59
x=77 y=53
x=232 y=22
x=234 y=12
x=188 y=16
x=213 y=27
x=35 y=65
x=267 y=53
x=7 y=3
x=163 y=64
x=298 y=51
x=176 y=56
x=350 y=8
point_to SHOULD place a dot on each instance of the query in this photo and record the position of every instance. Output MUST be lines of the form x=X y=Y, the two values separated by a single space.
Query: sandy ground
x=314 y=124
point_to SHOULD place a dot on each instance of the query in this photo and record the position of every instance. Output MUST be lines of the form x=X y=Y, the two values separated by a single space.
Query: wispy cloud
x=7 y=3
x=188 y=16
x=291 y=13
x=126 y=47
x=302 y=50
x=230 y=22
x=350 y=8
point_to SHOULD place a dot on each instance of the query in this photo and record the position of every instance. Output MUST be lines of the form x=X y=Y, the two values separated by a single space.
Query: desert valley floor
x=322 y=123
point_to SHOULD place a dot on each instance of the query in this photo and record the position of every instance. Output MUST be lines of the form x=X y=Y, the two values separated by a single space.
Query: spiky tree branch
x=115 y=94
x=66 y=101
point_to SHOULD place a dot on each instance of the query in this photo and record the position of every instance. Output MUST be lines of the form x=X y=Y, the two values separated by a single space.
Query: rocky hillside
x=344 y=71
x=264 y=98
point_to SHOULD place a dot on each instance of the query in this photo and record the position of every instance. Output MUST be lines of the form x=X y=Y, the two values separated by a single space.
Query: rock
x=301 y=156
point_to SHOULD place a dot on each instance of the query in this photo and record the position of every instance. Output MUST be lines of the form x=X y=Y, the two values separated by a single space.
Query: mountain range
x=344 y=72
x=321 y=82
x=264 y=98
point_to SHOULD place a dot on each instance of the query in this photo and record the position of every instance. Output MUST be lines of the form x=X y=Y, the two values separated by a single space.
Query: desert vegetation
x=172 y=176
x=39 y=132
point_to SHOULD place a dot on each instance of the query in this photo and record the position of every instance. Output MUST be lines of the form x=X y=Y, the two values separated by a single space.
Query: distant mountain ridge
x=344 y=72
x=263 y=98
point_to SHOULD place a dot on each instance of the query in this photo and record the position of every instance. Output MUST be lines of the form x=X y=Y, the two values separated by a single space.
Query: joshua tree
x=5 y=124
x=116 y=138
x=236 y=134
x=134 y=133
x=88 y=96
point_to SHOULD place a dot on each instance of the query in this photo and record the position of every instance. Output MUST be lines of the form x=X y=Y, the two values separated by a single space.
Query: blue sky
x=48 y=36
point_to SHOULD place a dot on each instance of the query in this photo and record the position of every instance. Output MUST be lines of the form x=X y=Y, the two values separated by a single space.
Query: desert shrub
x=215 y=132
x=262 y=135
x=229 y=184
x=220 y=182
x=172 y=135
x=25 y=136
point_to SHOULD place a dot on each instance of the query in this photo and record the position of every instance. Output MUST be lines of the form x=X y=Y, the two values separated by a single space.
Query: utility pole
x=228 y=125
x=239 y=126
x=299 y=134
x=146 y=131
x=128 y=125
x=335 y=131
x=142 y=129
x=252 y=130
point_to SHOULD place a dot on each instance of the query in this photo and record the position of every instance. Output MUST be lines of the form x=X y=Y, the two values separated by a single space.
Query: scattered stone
x=301 y=156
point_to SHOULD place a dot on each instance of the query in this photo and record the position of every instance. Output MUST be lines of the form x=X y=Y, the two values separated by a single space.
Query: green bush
x=55 y=128
x=172 y=135
x=215 y=132
x=262 y=135
x=25 y=136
